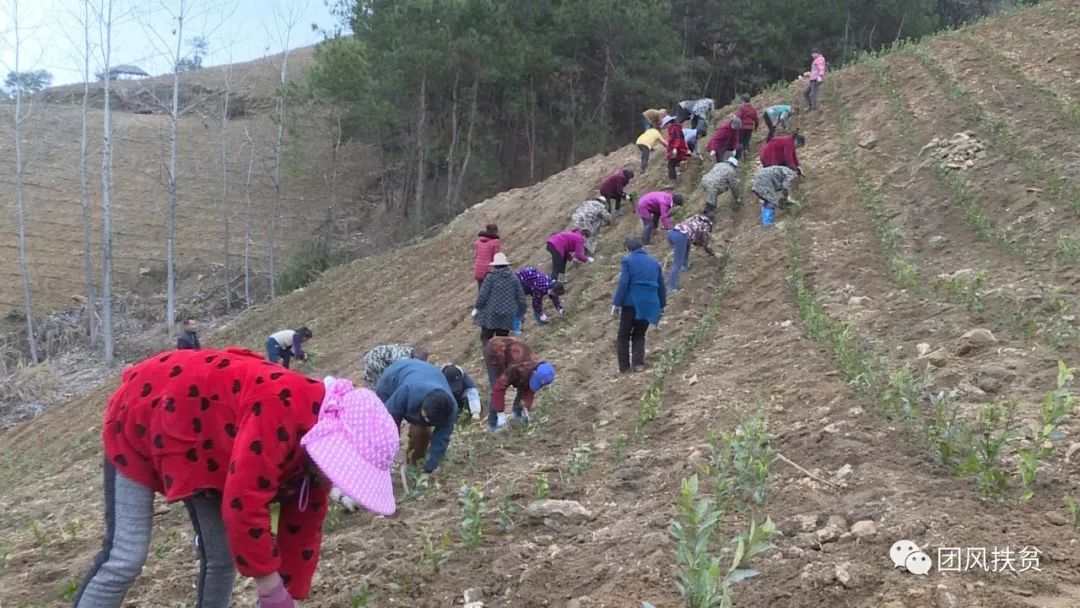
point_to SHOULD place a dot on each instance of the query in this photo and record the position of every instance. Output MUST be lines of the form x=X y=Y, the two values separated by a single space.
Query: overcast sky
x=238 y=30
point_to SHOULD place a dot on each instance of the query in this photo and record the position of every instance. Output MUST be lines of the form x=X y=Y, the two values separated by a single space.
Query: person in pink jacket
x=564 y=246
x=654 y=208
x=817 y=76
x=484 y=250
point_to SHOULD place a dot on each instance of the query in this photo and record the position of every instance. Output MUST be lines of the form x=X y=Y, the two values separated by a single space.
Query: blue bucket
x=766 y=216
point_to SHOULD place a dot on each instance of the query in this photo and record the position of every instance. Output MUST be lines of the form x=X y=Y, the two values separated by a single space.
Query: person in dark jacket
x=641 y=298
x=511 y=363
x=417 y=392
x=189 y=339
x=501 y=300
x=748 y=115
x=613 y=188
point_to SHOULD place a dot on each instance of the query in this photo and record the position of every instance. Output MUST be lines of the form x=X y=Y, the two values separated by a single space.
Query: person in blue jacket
x=642 y=297
x=416 y=391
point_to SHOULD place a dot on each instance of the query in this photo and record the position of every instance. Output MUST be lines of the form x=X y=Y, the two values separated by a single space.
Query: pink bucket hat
x=354 y=442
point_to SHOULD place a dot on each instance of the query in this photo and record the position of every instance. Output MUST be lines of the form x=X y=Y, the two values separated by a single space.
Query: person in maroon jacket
x=781 y=151
x=613 y=188
x=726 y=139
x=748 y=114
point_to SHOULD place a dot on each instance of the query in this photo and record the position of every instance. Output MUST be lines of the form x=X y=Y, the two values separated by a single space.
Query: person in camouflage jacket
x=723 y=176
x=591 y=215
x=383 y=356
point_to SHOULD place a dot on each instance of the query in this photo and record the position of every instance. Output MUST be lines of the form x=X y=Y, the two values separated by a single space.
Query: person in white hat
x=500 y=301
x=723 y=176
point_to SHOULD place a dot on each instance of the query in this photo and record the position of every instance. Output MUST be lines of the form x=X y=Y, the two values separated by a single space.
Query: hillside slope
x=51 y=149
x=881 y=268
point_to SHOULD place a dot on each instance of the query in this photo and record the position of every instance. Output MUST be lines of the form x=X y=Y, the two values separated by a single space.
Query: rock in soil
x=975 y=339
x=864 y=529
x=1056 y=518
x=474 y=595
x=569 y=509
x=843 y=573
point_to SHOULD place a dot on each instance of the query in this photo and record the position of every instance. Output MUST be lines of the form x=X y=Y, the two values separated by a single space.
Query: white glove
x=543 y=318
x=614 y=309
x=346 y=503
x=591 y=260
x=562 y=312
x=474 y=312
x=473 y=396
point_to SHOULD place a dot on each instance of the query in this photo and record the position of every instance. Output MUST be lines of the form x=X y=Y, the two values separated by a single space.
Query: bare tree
x=84 y=181
x=180 y=13
x=227 y=72
x=106 y=23
x=20 y=200
x=286 y=18
x=247 y=218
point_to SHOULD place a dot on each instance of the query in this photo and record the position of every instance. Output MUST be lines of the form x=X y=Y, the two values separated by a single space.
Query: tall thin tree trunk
x=106 y=200
x=247 y=219
x=225 y=188
x=420 y=134
x=27 y=300
x=84 y=185
x=468 y=139
x=170 y=217
x=278 y=152
x=530 y=131
x=453 y=144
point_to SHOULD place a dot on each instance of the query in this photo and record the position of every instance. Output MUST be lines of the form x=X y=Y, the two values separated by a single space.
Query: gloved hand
x=591 y=260
x=474 y=312
x=346 y=503
x=562 y=311
x=614 y=309
x=275 y=597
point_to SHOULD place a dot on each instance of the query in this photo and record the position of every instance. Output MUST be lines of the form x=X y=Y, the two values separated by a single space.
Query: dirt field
x=890 y=252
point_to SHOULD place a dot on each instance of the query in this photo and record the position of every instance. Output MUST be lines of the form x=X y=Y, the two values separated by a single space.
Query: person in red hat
x=228 y=433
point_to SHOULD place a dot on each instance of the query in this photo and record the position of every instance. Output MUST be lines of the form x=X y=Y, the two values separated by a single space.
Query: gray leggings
x=129 y=519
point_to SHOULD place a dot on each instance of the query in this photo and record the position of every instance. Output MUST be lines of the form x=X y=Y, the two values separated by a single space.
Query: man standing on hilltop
x=189 y=339
x=817 y=76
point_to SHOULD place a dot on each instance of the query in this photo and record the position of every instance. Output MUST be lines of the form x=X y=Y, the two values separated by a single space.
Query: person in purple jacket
x=564 y=246
x=654 y=208
x=537 y=284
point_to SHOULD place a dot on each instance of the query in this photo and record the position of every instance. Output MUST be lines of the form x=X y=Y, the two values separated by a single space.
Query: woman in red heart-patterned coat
x=228 y=434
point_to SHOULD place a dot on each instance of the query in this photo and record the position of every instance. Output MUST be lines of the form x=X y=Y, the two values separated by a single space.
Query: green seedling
x=68 y=591
x=333 y=517
x=506 y=510
x=433 y=555
x=984 y=455
x=1074 y=510
x=741 y=463
x=698 y=570
x=1068 y=249
x=947 y=436
x=5 y=553
x=419 y=484
x=166 y=544
x=580 y=460
x=361 y=598
x=1055 y=406
x=471 y=498
x=40 y=536
x=543 y=489
x=618 y=448
x=73 y=528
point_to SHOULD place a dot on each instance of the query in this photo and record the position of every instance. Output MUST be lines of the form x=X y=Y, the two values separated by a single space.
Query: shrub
x=304 y=265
